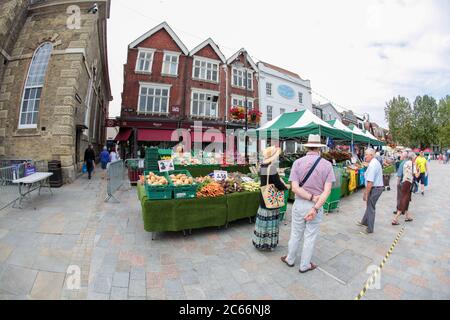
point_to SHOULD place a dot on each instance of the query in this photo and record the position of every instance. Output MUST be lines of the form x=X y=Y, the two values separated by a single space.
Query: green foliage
x=421 y=125
x=399 y=116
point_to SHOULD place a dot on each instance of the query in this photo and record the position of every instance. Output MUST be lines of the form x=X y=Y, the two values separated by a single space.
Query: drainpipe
x=226 y=92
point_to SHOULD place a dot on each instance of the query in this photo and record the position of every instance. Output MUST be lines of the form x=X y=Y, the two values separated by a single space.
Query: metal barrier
x=115 y=178
x=8 y=191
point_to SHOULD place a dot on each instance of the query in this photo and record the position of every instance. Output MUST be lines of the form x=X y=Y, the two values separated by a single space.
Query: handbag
x=273 y=198
x=84 y=169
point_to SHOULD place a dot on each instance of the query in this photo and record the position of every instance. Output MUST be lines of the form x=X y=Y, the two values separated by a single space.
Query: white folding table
x=34 y=181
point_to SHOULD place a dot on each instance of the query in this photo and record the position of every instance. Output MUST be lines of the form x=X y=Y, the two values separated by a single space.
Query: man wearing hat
x=312 y=178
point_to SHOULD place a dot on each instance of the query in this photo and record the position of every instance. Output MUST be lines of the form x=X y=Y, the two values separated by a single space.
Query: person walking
x=265 y=235
x=422 y=167
x=311 y=178
x=89 y=159
x=403 y=156
x=113 y=156
x=104 y=157
x=406 y=189
x=374 y=189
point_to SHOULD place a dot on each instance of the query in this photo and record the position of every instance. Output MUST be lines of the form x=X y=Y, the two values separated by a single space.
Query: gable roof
x=249 y=59
x=322 y=106
x=159 y=27
x=213 y=45
x=284 y=71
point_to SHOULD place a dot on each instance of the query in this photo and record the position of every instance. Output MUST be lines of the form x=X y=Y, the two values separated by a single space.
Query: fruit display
x=338 y=156
x=251 y=186
x=231 y=186
x=181 y=179
x=211 y=190
x=155 y=180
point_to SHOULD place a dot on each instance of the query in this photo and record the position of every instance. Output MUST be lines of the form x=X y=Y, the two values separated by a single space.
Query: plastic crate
x=333 y=200
x=158 y=192
x=183 y=192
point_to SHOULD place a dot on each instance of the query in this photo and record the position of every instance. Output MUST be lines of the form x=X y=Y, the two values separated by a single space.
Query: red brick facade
x=179 y=105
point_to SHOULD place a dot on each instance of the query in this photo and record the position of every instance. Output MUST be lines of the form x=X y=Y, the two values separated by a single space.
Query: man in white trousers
x=312 y=178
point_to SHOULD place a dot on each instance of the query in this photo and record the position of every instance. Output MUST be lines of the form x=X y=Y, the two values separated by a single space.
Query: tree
x=444 y=122
x=399 y=115
x=425 y=122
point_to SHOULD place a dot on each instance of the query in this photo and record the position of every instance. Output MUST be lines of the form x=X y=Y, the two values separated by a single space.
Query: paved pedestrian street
x=57 y=239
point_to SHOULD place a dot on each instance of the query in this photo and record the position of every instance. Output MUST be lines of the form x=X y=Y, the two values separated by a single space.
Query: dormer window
x=144 y=60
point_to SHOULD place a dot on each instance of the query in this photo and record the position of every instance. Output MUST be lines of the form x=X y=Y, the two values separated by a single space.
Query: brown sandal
x=395 y=223
x=313 y=266
x=285 y=261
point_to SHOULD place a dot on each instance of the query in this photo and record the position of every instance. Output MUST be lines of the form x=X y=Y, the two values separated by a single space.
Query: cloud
x=358 y=54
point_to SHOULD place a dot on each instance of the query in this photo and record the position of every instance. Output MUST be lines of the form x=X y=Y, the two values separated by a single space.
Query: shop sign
x=286 y=92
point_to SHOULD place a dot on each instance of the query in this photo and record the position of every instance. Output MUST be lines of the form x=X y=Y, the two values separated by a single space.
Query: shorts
x=421 y=178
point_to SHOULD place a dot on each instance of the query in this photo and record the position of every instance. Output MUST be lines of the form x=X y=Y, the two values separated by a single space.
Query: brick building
x=166 y=87
x=54 y=82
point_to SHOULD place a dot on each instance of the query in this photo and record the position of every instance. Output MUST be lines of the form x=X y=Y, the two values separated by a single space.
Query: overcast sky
x=357 y=53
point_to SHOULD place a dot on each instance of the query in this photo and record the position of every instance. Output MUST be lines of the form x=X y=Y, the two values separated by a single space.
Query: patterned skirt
x=266 y=231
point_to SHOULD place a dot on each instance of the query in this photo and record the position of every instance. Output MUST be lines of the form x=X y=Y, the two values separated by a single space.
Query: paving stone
x=119 y=293
x=137 y=273
x=194 y=292
x=48 y=286
x=17 y=280
x=137 y=288
x=102 y=284
x=121 y=279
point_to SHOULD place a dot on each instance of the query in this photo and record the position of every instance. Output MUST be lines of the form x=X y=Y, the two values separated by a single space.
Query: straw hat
x=314 y=141
x=271 y=154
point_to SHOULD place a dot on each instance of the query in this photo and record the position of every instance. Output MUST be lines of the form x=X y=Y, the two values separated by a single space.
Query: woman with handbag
x=266 y=231
x=408 y=183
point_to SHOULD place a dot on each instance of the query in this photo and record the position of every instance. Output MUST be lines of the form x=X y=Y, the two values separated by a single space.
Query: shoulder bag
x=273 y=198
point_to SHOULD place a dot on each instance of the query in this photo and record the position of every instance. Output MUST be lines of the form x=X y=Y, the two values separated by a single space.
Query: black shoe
x=423 y=193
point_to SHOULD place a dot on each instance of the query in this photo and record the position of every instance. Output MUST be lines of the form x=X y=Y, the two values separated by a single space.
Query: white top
x=35 y=177
x=113 y=156
x=374 y=173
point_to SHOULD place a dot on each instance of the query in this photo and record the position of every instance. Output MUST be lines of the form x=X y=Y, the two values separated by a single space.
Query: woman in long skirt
x=266 y=232
x=405 y=196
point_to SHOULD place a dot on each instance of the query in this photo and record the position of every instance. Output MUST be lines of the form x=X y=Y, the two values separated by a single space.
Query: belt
x=377 y=187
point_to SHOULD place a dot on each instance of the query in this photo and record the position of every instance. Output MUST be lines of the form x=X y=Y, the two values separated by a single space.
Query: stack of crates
x=151 y=159
x=158 y=192
x=186 y=191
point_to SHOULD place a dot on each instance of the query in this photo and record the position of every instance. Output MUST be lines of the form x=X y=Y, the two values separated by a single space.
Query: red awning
x=208 y=137
x=154 y=135
x=123 y=135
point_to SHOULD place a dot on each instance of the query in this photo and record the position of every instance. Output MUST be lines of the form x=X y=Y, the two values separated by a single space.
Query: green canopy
x=352 y=135
x=301 y=124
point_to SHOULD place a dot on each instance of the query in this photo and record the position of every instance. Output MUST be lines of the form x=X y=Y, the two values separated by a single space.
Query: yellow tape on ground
x=372 y=278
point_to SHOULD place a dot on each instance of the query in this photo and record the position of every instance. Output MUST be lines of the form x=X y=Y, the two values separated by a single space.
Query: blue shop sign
x=286 y=92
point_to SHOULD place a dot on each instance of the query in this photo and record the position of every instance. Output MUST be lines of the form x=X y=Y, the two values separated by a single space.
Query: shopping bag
x=425 y=181
x=273 y=198
x=84 y=168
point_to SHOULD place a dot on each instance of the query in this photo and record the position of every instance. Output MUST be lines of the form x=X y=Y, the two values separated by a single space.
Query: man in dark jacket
x=89 y=159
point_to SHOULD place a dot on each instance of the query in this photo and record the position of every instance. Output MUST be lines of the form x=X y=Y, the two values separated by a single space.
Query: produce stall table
x=242 y=205
x=186 y=214
x=203 y=170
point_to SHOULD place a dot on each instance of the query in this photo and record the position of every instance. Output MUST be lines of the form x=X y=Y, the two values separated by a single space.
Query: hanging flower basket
x=237 y=113
x=254 y=116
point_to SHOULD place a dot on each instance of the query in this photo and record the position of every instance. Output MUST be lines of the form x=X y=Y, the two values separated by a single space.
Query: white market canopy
x=301 y=124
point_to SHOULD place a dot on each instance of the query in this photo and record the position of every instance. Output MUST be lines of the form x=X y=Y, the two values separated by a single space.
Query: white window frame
x=31 y=87
x=269 y=89
x=205 y=60
x=205 y=92
x=146 y=50
x=300 y=97
x=172 y=54
x=267 y=113
x=249 y=78
x=155 y=86
x=241 y=99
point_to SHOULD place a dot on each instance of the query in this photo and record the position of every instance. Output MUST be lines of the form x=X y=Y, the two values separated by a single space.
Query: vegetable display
x=155 y=180
x=211 y=190
x=231 y=186
x=251 y=186
x=181 y=179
